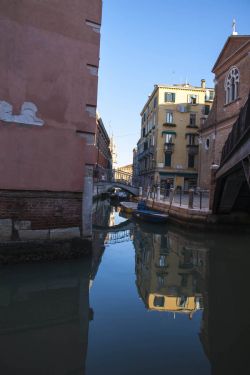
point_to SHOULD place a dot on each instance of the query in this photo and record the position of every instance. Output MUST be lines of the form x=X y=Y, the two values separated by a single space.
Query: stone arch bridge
x=118 y=179
x=232 y=189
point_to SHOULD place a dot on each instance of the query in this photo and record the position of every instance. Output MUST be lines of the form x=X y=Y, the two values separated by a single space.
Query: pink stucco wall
x=44 y=52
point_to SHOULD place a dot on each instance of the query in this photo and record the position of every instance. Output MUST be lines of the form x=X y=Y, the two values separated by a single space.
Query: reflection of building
x=168 y=146
x=232 y=77
x=48 y=95
x=44 y=318
x=169 y=270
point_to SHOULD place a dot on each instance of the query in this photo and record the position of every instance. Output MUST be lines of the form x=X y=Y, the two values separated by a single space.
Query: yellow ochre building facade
x=169 y=142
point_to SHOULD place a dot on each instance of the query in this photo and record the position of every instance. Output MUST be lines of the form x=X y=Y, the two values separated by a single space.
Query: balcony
x=148 y=151
x=169 y=147
x=192 y=126
x=170 y=124
x=193 y=149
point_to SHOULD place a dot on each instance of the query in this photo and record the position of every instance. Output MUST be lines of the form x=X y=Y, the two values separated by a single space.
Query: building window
x=232 y=85
x=207 y=142
x=182 y=301
x=168 y=157
x=143 y=132
x=169 y=117
x=193 y=119
x=154 y=119
x=159 y=301
x=144 y=116
x=155 y=102
x=192 y=139
x=206 y=110
x=162 y=261
x=160 y=281
x=209 y=95
x=170 y=97
x=191 y=158
x=193 y=99
x=169 y=138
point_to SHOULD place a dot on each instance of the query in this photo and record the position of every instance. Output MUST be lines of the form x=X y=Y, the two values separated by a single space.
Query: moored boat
x=150 y=215
x=129 y=207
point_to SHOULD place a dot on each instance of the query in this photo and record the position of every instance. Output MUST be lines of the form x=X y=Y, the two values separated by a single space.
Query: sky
x=147 y=42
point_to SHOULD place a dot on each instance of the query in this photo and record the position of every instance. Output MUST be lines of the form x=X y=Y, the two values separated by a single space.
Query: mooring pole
x=87 y=201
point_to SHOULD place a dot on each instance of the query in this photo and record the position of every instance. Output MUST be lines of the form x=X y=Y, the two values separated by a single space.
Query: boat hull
x=150 y=216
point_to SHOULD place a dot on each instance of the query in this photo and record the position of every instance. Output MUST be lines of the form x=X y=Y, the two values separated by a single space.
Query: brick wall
x=45 y=210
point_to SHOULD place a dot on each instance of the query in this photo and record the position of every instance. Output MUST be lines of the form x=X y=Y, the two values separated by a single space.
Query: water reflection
x=44 y=318
x=225 y=328
x=169 y=270
x=180 y=271
x=200 y=279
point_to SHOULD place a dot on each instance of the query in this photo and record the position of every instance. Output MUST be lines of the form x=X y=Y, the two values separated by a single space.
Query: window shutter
x=173 y=96
x=167 y=159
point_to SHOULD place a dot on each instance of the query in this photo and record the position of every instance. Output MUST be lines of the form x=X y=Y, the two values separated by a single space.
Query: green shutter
x=173 y=96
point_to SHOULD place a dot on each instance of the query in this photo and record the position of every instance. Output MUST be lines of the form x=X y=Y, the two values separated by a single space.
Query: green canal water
x=153 y=299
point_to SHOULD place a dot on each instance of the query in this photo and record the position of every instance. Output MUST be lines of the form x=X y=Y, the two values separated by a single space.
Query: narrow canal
x=153 y=299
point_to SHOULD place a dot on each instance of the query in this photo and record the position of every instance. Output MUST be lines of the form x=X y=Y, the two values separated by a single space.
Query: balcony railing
x=193 y=149
x=148 y=151
x=171 y=124
x=192 y=126
x=169 y=147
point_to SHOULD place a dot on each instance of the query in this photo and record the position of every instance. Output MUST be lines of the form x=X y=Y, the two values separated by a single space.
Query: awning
x=180 y=174
x=168 y=132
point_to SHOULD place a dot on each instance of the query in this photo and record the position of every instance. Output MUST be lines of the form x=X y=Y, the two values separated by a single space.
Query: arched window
x=232 y=85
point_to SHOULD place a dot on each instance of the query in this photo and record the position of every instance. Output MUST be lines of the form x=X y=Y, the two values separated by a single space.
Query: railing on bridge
x=115 y=175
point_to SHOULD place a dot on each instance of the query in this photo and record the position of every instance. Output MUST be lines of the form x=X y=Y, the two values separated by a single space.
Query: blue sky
x=144 y=42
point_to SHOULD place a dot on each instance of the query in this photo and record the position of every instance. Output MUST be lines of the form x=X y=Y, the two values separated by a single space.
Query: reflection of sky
x=125 y=338
x=115 y=218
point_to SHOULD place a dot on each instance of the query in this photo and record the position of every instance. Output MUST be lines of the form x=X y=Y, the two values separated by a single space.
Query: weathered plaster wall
x=44 y=59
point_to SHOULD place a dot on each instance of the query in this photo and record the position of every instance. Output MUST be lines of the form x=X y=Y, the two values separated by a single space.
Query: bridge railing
x=239 y=129
x=125 y=178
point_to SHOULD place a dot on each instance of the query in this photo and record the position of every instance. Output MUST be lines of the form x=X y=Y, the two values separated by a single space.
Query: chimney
x=203 y=83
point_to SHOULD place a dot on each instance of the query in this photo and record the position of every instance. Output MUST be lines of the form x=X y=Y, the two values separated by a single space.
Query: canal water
x=153 y=299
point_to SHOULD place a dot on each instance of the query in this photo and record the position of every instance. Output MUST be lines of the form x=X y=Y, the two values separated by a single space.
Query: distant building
x=103 y=167
x=124 y=173
x=113 y=150
x=232 y=78
x=49 y=59
x=169 y=143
